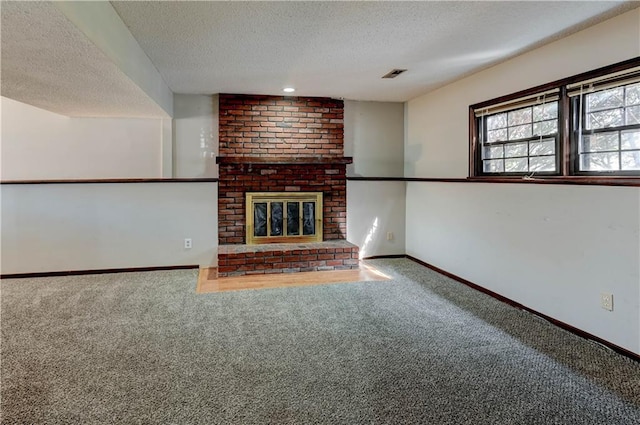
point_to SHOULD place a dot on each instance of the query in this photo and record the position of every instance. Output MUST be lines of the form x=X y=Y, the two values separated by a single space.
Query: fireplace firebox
x=283 y=217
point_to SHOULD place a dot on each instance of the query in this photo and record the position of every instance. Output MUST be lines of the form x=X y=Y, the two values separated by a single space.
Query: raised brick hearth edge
x=238 y=260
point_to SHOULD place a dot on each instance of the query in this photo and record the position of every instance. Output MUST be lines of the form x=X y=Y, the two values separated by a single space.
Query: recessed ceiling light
x=288 y=89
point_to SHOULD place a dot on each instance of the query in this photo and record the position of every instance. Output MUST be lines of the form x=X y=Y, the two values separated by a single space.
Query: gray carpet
x=144 y=348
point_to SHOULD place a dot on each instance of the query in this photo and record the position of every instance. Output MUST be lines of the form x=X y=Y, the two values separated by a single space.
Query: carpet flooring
x=417 y=349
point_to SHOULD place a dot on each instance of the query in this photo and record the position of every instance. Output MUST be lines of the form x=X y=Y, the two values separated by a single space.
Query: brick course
x=237 y=179
x=238 y=260
x=263 y=126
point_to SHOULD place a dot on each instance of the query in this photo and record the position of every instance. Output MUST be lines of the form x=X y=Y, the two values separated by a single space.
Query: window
x=520 y=137
x=606 y=128
x=586 y=125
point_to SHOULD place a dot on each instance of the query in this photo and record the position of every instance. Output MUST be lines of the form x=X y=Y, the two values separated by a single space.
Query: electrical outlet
x=389 y=236
x=187 y=243
x=606 y=301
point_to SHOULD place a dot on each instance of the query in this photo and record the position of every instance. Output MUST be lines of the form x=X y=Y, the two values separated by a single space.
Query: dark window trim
x=575 y=147
x=566 y=150
x=610 y=69
x=555 y=137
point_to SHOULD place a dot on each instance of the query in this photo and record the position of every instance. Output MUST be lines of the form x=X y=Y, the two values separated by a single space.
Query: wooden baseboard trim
x=96 y=271
x=565 y=326
x=378 y=257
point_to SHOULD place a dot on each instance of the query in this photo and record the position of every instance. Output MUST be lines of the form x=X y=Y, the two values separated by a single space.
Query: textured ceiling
x=47 y=62
x=342 y=49
x=333 y=49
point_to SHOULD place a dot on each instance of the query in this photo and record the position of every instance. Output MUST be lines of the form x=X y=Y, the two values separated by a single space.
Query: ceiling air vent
x=393 y=73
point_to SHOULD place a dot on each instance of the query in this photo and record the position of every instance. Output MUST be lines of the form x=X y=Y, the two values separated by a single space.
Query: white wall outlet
x=606 y=301
x=187 y=243
x=389 y=236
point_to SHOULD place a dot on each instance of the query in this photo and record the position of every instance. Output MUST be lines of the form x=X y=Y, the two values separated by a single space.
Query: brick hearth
x=236 y=260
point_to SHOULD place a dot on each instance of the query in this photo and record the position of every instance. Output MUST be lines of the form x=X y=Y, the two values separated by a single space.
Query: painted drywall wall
x=375 y=208
x=41 y=145
x=437 y=142
x=166 y=148
x=195 y=137
x=374 y=137
x=551 y=248
x=103 y=26
x=57 y=227
x=373 y=132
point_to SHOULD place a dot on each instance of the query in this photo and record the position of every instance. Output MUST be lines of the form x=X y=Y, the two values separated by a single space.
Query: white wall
x=195 y=136
x=40 y=145
x=91 y=226
x=374 y=137
x=437 y=135
x=55 y=227
x=103 y=26
x=375 y=208
x=374 y=134
x=551 y=248
x=59 y=227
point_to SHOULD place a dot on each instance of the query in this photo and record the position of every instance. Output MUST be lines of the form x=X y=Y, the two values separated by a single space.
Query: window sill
x=576 y=180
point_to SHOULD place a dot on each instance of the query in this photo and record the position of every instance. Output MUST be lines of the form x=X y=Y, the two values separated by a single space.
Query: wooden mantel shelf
x=283 y=160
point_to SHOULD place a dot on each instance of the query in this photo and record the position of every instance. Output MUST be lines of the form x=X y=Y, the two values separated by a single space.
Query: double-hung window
x=585 y=125
x=521 y=136
x=606 y=126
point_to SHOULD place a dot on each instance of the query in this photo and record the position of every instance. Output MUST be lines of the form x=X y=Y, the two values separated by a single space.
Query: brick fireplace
x=281 y=144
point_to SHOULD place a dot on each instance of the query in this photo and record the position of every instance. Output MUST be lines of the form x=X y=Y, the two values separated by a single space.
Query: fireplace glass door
x=280 y=217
